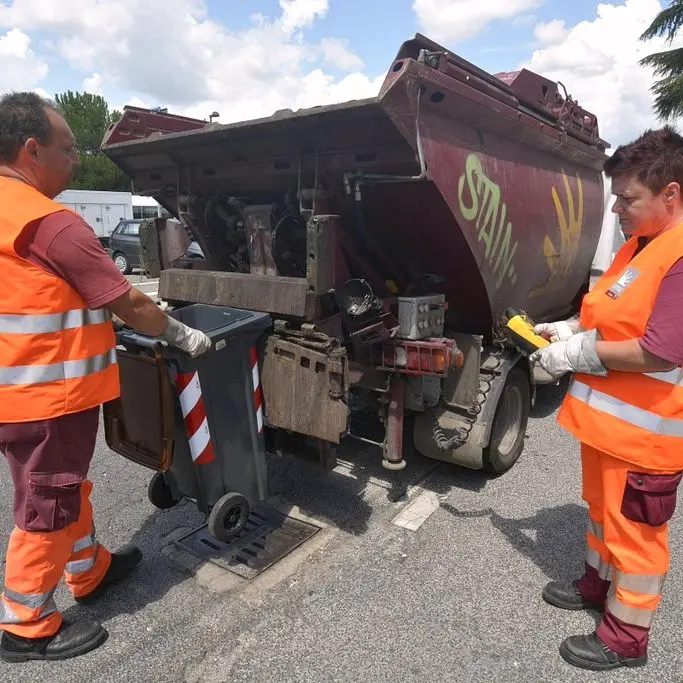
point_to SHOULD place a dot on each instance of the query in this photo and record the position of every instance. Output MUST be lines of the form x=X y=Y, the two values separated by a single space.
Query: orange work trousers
x=626 y=545
x=35 y=564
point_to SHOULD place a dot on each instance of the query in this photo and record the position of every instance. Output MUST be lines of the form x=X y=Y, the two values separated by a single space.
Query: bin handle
x=132 y=337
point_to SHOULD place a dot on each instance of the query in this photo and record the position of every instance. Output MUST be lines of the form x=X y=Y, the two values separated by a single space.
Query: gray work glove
x=187 y=339
x=576 y=354
x=558 y=331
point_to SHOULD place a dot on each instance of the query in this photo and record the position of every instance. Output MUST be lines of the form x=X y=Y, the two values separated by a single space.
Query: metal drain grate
x=265 y=539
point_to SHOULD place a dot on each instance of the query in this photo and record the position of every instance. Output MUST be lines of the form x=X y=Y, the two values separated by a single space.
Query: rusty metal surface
x=461 y=386
x=140 y=424
x=525 y=205
x=269 y=294
x=260 y=239
x=150 y=259
x=163 y=241
x=509 y=211
x=303 y=389
x=173 y=240
x=138 y=123
x=323 y=267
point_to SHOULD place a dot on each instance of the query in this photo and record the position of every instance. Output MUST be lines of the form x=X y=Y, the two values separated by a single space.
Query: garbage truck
x=387 y=239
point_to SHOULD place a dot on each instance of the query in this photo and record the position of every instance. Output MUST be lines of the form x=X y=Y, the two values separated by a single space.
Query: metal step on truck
x=385 y=238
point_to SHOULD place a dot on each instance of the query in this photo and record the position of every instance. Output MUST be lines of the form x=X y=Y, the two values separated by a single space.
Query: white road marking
x=414 y=515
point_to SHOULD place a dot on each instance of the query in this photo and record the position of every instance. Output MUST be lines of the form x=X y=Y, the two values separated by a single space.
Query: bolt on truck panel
x=386 y=237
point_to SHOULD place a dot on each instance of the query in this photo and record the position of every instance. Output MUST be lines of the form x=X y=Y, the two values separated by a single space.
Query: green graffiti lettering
x=493 y=229
x=501 y=225
x=472 y=168
x=489 y=211
x=505 y=256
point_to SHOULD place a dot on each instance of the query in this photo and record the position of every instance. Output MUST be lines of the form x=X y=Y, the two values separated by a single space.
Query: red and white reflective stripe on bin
x=194 y=415
x=258 y=394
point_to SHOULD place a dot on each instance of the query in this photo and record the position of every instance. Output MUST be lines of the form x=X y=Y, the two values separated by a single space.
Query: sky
x=250 y=58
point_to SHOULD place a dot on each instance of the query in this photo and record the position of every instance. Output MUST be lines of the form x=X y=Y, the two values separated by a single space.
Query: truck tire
x=228 y=516
x=509 y=424
x=159 y=493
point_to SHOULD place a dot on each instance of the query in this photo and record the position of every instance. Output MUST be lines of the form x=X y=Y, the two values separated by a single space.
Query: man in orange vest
x=57 y=366
x=625 y=405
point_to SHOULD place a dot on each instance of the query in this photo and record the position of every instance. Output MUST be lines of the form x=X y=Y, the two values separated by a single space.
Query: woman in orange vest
x=625 y=406
x=57 y=366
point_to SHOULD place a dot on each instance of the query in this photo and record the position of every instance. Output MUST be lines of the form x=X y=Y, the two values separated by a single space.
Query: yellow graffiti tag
x=480 y=199
x=570 y=220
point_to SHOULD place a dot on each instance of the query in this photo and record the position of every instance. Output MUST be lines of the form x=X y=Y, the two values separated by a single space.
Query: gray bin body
x=227 y=388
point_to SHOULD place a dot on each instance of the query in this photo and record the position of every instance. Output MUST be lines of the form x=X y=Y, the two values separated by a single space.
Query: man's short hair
x=655 y=159
x=23 y=115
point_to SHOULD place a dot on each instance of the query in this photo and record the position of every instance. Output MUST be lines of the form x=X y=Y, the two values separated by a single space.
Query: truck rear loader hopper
x=386 y=237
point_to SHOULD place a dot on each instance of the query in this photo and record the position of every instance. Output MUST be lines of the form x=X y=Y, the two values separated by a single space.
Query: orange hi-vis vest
x=636 y=417
x=57 y=356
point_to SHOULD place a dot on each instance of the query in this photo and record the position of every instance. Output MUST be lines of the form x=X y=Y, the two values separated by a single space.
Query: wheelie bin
x=197 y=421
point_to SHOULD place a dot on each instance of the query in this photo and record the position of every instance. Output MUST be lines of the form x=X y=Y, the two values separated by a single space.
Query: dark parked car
x=124 y=246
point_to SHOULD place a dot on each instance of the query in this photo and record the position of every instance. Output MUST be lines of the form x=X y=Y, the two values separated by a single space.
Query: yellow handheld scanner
x=520 y=330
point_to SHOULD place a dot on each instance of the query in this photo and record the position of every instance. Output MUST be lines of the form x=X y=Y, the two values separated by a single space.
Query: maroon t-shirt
x=65 y=245
x=664 y=332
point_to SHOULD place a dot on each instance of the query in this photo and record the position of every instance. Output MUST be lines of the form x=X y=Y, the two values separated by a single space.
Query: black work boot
x=589 y=652
x=71 y=640
x=122 y=564
x=565 y=594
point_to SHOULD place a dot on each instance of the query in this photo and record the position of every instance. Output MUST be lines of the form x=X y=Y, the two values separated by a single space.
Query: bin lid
x=219 y=321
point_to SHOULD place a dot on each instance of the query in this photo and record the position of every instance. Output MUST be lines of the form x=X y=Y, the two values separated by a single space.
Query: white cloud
x=21 y=68
x=171 y=53
x=301 y=13
x=598 y=62
x=451 y=20
x=551 y=32
x=336 y=52
x=93 y=84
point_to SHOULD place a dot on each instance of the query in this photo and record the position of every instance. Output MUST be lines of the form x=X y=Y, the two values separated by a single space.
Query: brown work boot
x=122 y=564
x=565 y=595
x=71 y=640
x=589 y=652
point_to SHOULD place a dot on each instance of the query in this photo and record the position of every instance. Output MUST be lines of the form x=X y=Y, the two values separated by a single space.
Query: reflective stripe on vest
x=43 y=602
x=594 y=559
x=81 y=566
x=52 y=322
x=83 y=543
x=629 y=615
x=648 y=584
x=42 y=374
x=644 y=584
x=674 y=376
x=637 y=417
x=596 y=529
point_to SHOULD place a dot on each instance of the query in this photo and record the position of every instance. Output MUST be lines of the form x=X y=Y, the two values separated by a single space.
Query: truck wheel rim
x=510 y=419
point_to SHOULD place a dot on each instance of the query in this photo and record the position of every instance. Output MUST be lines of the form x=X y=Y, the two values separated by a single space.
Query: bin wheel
x=228 y=516
x=159 y=493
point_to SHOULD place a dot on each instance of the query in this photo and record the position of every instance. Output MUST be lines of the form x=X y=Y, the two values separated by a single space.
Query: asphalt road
x=365 y=600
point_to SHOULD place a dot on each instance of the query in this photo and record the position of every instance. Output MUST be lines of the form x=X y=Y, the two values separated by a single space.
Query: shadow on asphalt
x=553 y=539
x=153 y=578
x=558 y=549
x=549 y=398
x=338 y=495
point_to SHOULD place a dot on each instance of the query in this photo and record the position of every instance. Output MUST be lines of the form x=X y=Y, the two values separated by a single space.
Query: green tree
x=668 y=65
x=89 y=117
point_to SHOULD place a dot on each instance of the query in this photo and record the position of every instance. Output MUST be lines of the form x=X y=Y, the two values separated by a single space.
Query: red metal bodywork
x=508 y=210
x=138 y=124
